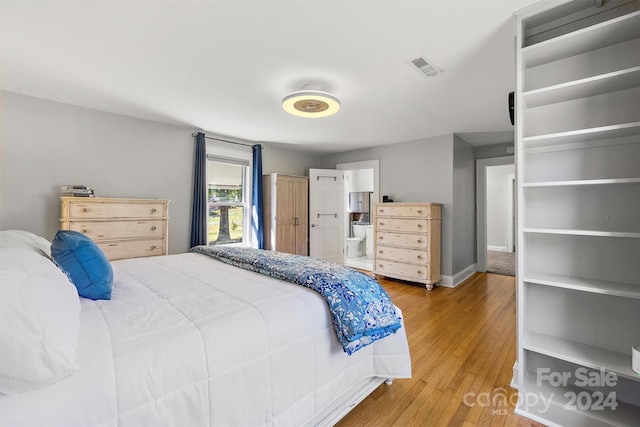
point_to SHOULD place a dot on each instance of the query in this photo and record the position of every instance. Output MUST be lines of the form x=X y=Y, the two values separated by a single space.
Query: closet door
x=301 y=216
x=285 y=212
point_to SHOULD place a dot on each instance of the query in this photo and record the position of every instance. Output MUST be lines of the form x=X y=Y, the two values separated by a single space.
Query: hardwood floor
x=463 y=347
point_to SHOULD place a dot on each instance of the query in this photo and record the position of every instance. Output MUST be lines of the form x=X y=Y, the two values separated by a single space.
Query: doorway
x=500 y=220
x=495 y=193
x=360 y=177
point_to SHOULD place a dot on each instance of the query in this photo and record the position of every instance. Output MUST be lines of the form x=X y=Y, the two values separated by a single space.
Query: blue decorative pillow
x=84 y=263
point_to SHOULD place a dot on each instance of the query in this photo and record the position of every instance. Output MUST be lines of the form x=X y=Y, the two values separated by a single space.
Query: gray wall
x=46 y=144
x=420 y=171
x=409 y=171
x=464 y=209
x=279 y=159
x=490 y=151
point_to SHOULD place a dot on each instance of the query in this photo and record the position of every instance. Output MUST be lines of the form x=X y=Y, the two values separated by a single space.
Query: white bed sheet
x=189 y=341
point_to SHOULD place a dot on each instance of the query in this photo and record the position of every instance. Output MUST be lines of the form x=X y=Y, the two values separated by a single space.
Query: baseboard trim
x=459 y=277
x=497 y=248
x=514 y=380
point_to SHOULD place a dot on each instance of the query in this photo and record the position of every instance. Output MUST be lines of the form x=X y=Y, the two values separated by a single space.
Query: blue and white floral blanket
x=362 y=311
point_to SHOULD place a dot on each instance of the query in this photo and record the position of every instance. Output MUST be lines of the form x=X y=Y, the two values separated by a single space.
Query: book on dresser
x=121 y=227
x=407 y=241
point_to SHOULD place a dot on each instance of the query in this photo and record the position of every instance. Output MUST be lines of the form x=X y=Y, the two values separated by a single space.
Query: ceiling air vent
x=425 y=68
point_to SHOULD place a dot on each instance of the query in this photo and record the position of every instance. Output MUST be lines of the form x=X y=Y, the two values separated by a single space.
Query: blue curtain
x=256 y=204
x=199 y=206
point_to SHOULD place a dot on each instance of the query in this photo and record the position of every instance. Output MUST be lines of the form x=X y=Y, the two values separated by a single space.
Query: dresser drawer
x=99 y=210
x=410 y=256
x=132 y=248
x=412 y=225
x=105 y=230
x=416 y=241
x=402 y=270
x=403 y=211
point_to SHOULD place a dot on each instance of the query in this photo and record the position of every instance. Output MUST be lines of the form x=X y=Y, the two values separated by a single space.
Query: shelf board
x=581 y=135
x=591 y=86
x=579 y=232
x=537 y=148
x=551 y=410
x=614 y=31
x=554 y=415
x=581 y=354
x=604 y=287
x=579 y=182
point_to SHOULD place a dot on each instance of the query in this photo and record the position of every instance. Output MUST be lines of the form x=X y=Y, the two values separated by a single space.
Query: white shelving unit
x=582 y=182
x=578 y=165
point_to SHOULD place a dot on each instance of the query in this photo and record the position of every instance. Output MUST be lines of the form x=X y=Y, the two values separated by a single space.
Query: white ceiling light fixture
x=311 y=101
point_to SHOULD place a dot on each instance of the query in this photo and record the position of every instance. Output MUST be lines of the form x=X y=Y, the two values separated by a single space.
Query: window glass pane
x=225 y=224
x=225 y=182
x=225 y=194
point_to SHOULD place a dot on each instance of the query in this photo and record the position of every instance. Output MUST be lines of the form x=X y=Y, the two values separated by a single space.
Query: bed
x=187 y=340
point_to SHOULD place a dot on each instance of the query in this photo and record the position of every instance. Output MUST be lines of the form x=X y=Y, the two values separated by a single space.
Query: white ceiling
x=224 y=66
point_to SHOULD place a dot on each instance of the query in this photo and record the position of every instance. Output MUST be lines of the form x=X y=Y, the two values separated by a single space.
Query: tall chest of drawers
x=407 y=241
x=122 y=228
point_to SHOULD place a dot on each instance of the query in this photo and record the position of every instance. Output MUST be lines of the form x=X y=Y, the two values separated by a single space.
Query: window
x=229 y=199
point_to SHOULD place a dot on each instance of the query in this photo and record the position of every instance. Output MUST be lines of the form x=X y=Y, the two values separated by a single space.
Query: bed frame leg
x=388 y=381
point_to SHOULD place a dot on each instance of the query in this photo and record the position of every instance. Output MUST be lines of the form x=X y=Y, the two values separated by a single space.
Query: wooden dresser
x=407 y=241
x=123 y=228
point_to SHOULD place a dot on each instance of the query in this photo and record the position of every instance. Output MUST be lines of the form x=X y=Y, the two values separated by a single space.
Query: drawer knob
x=381 y=210
x=381 y=238
x=84 y=230
x=153 y=210
x=419 y=225
x=419 y=256
x=380 y=252
x=419 y=271
x=153 y=247
x=420 y=211
x=380 y=265
x=153 y=228
x=85 y=209
x=419 y=240
x=381 y=223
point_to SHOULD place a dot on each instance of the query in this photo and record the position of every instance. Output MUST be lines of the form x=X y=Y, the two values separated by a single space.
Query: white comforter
x=190 y=341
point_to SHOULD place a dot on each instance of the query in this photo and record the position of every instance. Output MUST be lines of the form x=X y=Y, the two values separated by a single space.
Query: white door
x=326 y=213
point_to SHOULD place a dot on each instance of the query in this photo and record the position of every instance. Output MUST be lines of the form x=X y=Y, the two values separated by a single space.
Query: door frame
x=375 y=197
x=366 y=164
x=511 y=212
x=481 y=206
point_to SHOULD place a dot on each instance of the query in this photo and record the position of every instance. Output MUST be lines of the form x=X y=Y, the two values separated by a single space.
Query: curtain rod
x=223 y=140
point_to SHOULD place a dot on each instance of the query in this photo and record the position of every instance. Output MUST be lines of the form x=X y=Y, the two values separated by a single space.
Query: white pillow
x=19 y=239
x=39 y=315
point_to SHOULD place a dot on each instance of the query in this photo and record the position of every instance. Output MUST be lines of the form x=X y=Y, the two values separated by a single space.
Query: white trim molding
x=459 y=277
x=481 y=206
x=514 y=379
